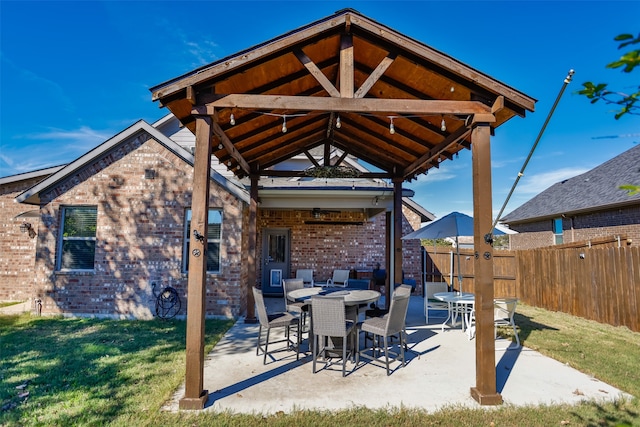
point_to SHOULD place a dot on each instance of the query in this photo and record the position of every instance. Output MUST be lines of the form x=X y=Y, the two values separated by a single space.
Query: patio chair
x=382 y=312
x=306 y=275
x=382 y=328
x=270 y=321
x=331 y=330
x=339 y=278
x=503 y=312
x=297 y=308
x=430 y=303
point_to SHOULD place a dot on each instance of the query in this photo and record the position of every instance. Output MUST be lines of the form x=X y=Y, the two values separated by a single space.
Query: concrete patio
x=440 y=371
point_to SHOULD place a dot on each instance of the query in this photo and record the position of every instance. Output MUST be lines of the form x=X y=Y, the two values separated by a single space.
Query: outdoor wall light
x=26 y=227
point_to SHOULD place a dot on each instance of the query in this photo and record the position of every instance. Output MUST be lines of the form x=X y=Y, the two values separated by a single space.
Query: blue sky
x=75 y=73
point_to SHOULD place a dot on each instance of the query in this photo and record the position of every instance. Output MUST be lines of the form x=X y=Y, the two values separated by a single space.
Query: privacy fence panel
x=601 y=284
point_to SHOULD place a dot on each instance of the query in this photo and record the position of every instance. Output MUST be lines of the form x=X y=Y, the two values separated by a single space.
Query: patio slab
x=440 y=372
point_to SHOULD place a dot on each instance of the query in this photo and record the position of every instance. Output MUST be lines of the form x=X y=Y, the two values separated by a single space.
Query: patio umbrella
x=453 y=225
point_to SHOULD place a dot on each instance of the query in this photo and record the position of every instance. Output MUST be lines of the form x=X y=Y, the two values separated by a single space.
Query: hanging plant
x=332 y=172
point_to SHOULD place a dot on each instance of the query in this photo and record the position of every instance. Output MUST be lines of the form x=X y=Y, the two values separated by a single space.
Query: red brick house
x=590 y=206
x=107 y=226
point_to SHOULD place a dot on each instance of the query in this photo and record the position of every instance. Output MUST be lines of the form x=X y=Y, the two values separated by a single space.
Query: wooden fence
x=601 y=284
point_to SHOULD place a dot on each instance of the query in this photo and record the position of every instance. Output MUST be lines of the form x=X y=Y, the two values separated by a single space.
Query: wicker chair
x=329 y=322
x=271 y=321
x=385 y=327
x=297 y=308
x=307 y=277
x=339 y=278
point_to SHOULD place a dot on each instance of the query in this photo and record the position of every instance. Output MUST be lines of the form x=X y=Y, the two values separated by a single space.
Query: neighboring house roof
x=595 y=190
x=32 y=195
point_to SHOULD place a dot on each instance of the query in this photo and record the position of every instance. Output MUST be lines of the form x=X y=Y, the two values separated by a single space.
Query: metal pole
x=567 y=80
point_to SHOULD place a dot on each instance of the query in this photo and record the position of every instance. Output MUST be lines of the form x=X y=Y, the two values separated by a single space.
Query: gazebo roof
x=348 y=66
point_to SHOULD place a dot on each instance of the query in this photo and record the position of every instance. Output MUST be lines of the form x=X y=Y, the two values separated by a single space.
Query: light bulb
x=443 y=126
x=232 y=120
x=284 y=124
x=219 y=146
x=338 y=123
x=392 y=129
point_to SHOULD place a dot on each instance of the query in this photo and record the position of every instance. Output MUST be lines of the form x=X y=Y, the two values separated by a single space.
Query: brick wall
x=325 y=248
x=578 y=228
x=139 y=237
x=17 y=249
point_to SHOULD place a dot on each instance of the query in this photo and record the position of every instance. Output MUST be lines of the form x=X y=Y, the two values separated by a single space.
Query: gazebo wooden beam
x=349 y=105
x=228 y=145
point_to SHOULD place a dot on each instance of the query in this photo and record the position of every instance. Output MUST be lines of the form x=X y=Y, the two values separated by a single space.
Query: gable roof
x=594 y=190
x=347 y=66
x=32 y=195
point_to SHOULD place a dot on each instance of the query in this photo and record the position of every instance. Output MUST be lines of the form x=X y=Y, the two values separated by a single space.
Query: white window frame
x=212 y=240
x=62 y=238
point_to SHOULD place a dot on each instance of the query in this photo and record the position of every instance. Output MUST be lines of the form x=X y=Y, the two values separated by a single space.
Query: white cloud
x=85 y=135
x=535 y=184
x=436 y=175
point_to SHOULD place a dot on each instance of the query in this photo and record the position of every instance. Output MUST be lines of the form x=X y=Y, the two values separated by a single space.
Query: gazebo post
x=194 y=396
x=485 y=390
x=397 y=235
x=251 y=256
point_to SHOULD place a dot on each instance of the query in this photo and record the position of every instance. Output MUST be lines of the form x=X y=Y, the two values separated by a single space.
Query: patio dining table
x=461 y=303
x=351 y=296
x=352 y=299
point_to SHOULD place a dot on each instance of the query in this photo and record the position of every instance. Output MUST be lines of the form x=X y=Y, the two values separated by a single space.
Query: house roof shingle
x=596 y=189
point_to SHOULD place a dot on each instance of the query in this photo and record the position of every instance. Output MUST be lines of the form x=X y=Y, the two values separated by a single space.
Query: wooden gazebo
x=349 y=82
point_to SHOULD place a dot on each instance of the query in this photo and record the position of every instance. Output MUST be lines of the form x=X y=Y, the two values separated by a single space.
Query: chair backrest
x=431 y=288
x=403 y=290
x=306 y=275
x=328 y=316
x=504 y=308
x=289 y=285
x=263 y=318
x=397 y=312
x=340 y=277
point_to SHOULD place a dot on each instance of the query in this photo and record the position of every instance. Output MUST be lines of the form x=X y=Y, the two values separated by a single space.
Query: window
x=77 y=245
x=557 y=231
x=213 y=241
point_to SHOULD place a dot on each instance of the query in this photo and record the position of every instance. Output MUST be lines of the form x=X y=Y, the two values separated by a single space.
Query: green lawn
x=89 y=372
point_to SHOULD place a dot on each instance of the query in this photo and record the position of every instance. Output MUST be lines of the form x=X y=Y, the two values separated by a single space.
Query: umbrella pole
x=451 y=270
x=458 y=256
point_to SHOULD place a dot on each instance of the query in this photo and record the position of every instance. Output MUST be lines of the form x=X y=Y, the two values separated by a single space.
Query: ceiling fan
x=317 y=212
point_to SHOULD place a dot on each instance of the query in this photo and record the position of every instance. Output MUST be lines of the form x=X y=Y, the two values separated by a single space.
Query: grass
x=89 y=372
x=9 y=303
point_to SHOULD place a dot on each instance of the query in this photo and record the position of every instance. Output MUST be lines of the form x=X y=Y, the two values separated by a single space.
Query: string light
x=232 y=120
x=338 y=123
x=284 y=124
x=443 y=125
x=219 y=146
x=392 y=129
